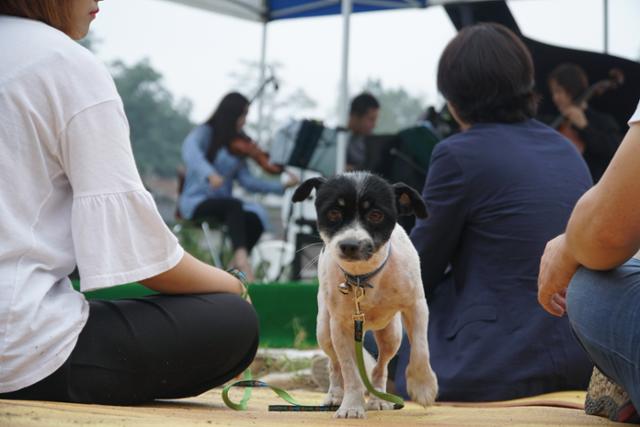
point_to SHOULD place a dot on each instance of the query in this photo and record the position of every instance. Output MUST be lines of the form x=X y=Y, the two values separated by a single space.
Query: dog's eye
x=375 y=217
x=334 y=215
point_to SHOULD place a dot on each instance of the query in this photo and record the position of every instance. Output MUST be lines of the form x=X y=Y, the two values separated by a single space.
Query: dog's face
x=357 y=211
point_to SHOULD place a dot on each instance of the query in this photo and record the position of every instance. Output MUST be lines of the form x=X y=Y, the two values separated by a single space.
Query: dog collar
x=360 y=280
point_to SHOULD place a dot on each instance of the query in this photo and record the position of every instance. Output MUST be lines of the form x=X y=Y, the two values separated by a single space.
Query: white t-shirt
x=70 y=194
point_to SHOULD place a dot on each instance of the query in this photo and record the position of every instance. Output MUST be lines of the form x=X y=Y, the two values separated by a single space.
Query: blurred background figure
x=596 y=135
x=215 y=155
x=363 y=116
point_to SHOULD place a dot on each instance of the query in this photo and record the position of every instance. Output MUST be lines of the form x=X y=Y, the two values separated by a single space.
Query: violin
x=244 y=146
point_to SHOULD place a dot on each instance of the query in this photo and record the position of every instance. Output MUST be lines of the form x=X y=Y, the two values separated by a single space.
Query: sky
x=198 y=51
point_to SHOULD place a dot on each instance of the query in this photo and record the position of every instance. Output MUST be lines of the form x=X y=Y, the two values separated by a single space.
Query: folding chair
x=215 y=233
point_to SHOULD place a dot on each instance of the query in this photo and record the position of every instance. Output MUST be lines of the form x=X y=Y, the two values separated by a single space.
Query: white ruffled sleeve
x=118 y=234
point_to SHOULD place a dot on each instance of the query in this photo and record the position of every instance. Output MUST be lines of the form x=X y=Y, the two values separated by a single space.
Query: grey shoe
x=607 y=399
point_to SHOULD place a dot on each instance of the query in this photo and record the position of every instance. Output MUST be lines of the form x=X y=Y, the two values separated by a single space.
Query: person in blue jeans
x=589 y=273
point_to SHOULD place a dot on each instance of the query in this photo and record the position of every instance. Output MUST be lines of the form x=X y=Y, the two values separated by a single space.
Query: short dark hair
x=486 y=73
x=570 y=77
x=363 y=103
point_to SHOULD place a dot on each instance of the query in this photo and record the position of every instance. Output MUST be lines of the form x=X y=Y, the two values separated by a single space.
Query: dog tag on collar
x=344 y=288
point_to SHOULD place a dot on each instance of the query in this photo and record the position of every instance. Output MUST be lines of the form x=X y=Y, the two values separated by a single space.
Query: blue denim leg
x=604 y=311
x=370 y=345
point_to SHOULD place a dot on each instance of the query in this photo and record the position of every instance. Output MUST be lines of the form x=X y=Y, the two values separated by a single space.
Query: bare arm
x=604 y=228
x=191 y=276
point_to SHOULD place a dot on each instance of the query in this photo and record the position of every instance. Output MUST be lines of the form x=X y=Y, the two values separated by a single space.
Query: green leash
x=242 y=405
x=295 y=406
x=397 y=401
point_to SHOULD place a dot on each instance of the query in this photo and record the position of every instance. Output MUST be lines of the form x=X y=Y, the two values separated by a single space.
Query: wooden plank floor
x=208 y=409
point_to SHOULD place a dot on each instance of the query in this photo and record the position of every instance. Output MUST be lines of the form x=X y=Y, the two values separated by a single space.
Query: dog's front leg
x=388 y=341
x=422 y=384
x=343 y=343
x=323 y=333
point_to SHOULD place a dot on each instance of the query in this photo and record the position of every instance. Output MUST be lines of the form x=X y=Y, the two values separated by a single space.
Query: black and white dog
x=364 y=246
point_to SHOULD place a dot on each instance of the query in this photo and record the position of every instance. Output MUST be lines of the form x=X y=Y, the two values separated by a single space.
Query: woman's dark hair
x=56 y=13
x=571 y=78
x=362 y=103
x=486 y=73
x=224 y=120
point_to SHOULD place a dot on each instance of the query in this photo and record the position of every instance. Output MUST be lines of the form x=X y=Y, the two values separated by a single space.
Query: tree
x=158 y=122
x=398 y=109
x=278 y=104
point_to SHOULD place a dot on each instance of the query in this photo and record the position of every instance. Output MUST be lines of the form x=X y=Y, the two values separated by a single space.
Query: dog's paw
x=349 y=411
x=423 y=389
x=333 y=397
x=377 y=404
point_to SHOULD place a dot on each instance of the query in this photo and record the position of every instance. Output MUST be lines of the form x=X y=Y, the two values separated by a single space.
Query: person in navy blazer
x=496 y=193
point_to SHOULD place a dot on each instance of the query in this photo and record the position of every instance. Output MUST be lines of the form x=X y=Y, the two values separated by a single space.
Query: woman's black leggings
x=244 y=227
x=158 y=347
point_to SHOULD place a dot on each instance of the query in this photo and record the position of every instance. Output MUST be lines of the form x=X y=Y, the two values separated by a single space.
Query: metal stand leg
x=215 y=256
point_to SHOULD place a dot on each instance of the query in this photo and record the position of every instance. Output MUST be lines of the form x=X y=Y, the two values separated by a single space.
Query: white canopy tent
x=265 y=11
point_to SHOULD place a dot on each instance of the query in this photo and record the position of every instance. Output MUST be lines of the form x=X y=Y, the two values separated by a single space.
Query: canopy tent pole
x=605 y=31
x=263 y=65
x=341 y=149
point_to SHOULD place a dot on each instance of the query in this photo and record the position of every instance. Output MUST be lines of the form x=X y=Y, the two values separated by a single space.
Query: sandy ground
x=208 y=409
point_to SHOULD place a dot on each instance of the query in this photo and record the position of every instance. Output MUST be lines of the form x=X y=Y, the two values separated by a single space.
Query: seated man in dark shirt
x=495 y=193
x=363 y=116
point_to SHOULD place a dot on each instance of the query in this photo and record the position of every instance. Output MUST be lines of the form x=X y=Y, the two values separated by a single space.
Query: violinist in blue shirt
x=215 y=155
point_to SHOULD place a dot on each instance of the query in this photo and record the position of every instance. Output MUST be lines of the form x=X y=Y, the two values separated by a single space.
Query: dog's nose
x=350 y=248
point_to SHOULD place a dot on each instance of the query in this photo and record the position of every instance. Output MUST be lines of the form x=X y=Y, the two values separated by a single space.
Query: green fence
x=287 y=311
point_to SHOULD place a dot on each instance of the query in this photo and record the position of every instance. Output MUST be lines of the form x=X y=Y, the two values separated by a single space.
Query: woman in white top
x=70 y=194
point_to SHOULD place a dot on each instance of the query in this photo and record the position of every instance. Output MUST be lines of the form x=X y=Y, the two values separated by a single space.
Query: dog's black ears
x=304 y=189
x=409 y=201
